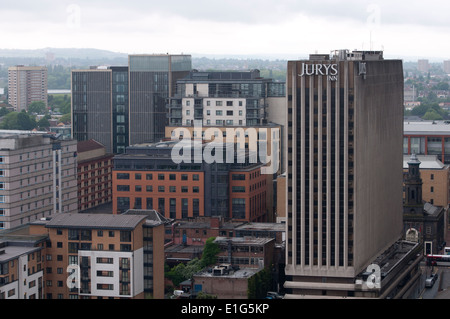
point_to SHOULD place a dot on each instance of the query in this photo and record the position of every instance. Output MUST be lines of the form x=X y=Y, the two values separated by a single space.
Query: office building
x=427 y=138
x=26 y=84
x=122 y=105
x=37 y=177
x=344 y=175
x=94 y=175
x=146 y=177
x=100 y=106
x=153 y=80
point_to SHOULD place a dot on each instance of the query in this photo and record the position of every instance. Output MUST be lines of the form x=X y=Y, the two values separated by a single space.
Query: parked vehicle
x=429 y=282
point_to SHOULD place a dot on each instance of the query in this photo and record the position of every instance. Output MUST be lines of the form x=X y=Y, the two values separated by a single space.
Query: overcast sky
x=281 y=28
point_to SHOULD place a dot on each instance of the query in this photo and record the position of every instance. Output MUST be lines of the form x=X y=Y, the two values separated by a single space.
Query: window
x=230 y=103
x=238 y=189
x=195 y=189
x=172 y=189
x=111 y=233
x=195 y=177
x=218 y=112
x=149 y=177
x=218 y=103
x=137 y=176
x=123 y=188
x=432 y=189
x=161 y=189
x=184 y=189
x=172 y=177
x=138 y=188
x=123 y=176
x=160 y=177
x=149 y=188
x=125 y=235
x=184 y=177
x=229 y=113
x=432 y=177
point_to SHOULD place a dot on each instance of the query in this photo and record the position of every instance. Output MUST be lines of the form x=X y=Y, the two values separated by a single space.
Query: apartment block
x=37 y=177
x=223 y=98
x=94 y=175
x=21 y=266
x=26 y=84
x=104 y=255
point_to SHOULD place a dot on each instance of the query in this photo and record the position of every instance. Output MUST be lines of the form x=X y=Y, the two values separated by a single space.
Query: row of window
x=218 y=103
x=161 y=189
x=161 y=177
x=86 y=234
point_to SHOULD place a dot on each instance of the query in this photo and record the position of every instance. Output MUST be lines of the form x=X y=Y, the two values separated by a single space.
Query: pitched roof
x=95 y=221
x=89 y=145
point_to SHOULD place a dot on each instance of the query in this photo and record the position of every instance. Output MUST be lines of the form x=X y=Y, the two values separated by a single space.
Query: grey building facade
x=152 y=79
x=123 y=105
x=344 y=169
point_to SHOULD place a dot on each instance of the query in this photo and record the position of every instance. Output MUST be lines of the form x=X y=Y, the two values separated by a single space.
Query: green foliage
x=66 y=118
x=182 y=272
x=37 y=107
x=210 y=251
x=432 y=115
x=204 y=295
x=18 y=121
x=43 y=123
x=58 y=102
x=259 y=284
x=3 y=111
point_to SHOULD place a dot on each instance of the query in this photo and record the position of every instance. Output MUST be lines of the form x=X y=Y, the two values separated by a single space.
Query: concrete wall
x=378 y=159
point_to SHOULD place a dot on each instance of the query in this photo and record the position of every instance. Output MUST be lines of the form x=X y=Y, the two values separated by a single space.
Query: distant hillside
x=64 y=53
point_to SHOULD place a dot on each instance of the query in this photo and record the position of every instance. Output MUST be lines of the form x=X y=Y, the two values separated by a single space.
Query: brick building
x=115 y=256
x=94 y=174
x=146 y=177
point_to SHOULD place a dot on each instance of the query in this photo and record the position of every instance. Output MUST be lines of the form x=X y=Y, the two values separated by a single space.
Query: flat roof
x=241 y=273
x=426 y=162
x=426 y=127
x=95 y=221
x=244 y=240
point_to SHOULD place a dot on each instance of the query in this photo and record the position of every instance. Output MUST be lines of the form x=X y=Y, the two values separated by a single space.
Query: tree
x=259 y=284
x=18 y=121
x=37 y=107
x=25 y=122
x=3 y=111
x=66 y=118
x=210 y=251
x=432 y=115
x=43 y=123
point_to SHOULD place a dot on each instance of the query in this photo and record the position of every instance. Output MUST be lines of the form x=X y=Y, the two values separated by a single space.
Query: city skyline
x=232 y=27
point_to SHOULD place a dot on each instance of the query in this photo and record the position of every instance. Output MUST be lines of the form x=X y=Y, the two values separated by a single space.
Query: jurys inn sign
x=330 y=70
